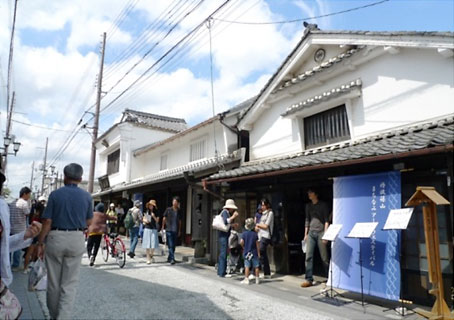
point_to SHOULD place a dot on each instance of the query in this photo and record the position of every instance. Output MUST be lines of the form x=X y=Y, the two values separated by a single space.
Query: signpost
x=429 y=198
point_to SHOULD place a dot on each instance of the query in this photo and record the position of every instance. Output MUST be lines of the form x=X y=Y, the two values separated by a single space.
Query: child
x=258 y=214
x=251 y=251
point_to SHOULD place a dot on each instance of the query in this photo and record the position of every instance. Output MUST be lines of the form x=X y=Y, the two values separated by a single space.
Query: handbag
x=10 y=307
x=218 y=223
x=37 y=279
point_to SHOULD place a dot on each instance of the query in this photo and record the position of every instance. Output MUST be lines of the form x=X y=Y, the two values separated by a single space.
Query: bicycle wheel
x=104 y=249
x=120 y=252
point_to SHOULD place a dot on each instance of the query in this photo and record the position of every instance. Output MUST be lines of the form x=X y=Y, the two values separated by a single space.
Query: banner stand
x=398 y=219
x=331 y=235
x=362 y=230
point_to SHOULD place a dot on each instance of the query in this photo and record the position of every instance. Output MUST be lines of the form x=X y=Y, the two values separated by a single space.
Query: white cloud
x=47 y=78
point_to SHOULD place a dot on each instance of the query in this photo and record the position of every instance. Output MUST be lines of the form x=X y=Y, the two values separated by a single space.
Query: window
x=163 y=162
x=197 y=151
x=327 y=127
x=113 y=162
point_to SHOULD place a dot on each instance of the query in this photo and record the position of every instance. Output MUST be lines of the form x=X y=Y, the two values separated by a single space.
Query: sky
x=57 y=48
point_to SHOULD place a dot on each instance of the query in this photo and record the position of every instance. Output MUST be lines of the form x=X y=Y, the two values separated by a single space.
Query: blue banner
x=367 y=198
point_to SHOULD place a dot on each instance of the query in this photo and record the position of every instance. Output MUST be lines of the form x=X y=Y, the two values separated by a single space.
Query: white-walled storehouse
x=135 y=129
x=346 y=103
x=166 y=164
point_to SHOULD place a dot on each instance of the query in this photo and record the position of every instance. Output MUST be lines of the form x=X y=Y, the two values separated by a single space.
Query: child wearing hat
x=251 y=251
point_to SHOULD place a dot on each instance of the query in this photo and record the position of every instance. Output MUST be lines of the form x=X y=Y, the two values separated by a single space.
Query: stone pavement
x=31 y=308
x=194 y=291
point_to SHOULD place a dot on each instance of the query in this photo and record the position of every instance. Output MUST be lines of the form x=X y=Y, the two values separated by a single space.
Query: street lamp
x=7 y=140
x=16 y=147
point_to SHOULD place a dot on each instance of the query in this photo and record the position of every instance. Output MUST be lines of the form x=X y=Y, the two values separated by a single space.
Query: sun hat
x=249 y=224
x=152 y=202
x=112 y=205
x=73 y=171
x=230 y=204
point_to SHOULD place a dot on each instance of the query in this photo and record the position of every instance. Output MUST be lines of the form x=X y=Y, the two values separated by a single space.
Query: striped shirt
x=19 y=210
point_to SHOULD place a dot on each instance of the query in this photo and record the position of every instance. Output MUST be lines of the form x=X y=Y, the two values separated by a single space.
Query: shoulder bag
x=10 y=307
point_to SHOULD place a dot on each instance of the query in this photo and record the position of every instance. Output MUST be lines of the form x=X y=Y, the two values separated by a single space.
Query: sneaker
x=245 y=281
x=148 y=261
x=172 y=262
x=251 y=277
x=131 y=255
x=26 y=271
x=228 y=275
x=257 y=280
x=267 y=277
x=306 y=284
x=92 y=261
x=314 y=283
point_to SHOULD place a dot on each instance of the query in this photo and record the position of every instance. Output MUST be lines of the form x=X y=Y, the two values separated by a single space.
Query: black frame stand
x=361 y=272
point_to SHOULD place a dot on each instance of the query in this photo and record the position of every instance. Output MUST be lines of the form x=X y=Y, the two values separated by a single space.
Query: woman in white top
x=12 y=243
x=265 y=229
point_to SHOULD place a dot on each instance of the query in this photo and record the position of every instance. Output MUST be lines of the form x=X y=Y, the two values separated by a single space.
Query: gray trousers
x=64 y=250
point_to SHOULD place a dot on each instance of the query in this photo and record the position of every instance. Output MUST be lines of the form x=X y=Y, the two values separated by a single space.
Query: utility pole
x=31 y=179
x=91 y=176
x=10 y=58
x=44 y=167
x=8 y=127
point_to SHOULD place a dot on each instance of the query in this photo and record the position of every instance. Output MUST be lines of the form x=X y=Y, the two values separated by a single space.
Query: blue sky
x=57 y=45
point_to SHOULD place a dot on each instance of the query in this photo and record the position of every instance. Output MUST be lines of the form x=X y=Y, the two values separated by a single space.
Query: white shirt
x=8 y=244
x=268 y=219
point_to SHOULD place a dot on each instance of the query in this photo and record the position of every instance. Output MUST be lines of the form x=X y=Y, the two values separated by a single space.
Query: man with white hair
x=68 y=212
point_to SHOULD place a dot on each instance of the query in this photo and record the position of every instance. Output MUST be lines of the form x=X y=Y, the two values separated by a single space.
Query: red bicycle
x=113 y=245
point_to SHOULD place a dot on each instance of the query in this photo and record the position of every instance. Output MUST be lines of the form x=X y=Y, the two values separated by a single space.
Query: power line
x=155 y=45
x=303 y=19
x=40 y=127
x=182 y=40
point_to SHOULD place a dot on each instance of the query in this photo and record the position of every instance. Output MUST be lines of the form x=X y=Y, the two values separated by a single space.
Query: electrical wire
x=40 y=127
x=165 y=55
x=304 y=19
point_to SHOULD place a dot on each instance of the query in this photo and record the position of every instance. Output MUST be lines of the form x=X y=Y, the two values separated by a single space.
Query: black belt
x=61 y=229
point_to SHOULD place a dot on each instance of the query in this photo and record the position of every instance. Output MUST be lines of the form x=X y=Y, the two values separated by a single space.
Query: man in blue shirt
x=172 y=224
x=68 y=212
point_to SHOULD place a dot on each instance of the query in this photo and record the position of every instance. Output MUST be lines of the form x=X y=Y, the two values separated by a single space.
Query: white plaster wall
x=129 y=137
x=410 y=87
x=178 y=150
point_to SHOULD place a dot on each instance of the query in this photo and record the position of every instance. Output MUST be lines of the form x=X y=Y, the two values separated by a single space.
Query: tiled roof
x=336 y=92
x=175 y=173
x=409 y=139
x=154 y=121
x=319 y=68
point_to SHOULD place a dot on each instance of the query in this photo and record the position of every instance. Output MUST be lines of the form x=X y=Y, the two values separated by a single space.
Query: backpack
x=129 y=220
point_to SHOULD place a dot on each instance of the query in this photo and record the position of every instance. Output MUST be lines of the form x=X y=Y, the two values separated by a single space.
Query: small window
x=113 y=162
x=197 y=151
x=163 y=162
x=327 y=127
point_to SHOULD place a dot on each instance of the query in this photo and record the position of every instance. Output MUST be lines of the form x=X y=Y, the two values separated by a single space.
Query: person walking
x=265 y=229
x=69 y=210
x=134 y=231
x=120 y=218
x=150 y=240
x=37 y=212
x=251 y=249
x=317 y=221
x=96 y=229
x=171 y=222
x=19 y=212
x=8 y=244
x=229 y=213
x=112 y=223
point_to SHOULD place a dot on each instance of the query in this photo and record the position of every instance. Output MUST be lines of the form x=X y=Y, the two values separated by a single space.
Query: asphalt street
x=185 y=291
